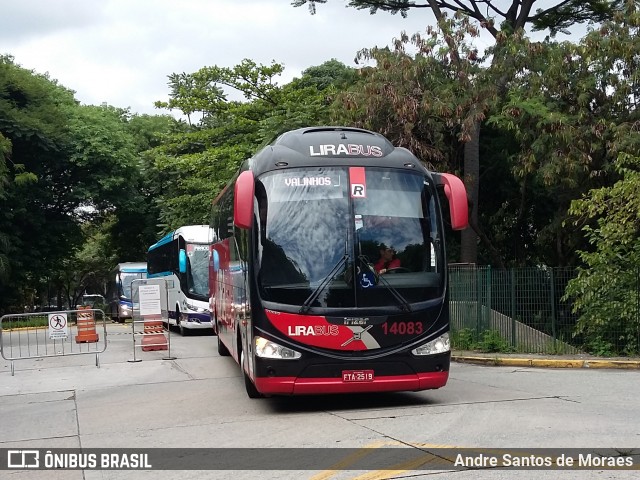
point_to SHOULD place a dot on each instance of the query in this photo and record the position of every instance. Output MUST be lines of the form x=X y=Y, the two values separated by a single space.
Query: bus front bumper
x=316 y=386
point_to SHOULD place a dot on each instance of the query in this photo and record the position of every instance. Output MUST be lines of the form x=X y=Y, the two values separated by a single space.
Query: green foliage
x=131 y=226
x=87 y=268
x=255 y=82
x=101 y=148
x=191 y=94
x=192 y=166
x=490 y=341
x=556 y=17
x=63 y=165
x=34 y=112
x=560 y=17
x=559 y=347
x=493 y=341
x=564 y=106
x=463 y=339
x=34 y=321
x=331 y=74
x=5 y=152
x=606 y=290
x=419 y=100
x=202 y=92
x=5 y=266
x=188 y=170
x=467 y=105
x=103 y=183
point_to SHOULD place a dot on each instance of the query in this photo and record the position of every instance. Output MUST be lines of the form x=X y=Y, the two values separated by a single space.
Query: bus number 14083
x=402 y=328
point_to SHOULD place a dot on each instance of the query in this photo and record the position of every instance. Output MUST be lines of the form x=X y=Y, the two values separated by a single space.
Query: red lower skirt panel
x=317 y=386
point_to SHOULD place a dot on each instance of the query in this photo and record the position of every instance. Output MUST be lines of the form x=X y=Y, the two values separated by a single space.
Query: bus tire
x=249 y=386
x=179 y=323
x=222 y=350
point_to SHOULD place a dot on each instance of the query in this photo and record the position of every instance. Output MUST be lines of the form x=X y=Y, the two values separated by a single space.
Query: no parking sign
x=58 y=325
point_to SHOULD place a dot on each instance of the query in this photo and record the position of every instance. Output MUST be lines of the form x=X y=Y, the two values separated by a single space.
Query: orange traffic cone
x=86 y=325
x=153 y=337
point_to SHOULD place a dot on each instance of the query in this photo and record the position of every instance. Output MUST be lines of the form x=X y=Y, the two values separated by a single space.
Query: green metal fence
x=519 y=310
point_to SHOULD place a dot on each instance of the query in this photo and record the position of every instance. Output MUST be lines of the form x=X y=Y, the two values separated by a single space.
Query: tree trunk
x=469 y=238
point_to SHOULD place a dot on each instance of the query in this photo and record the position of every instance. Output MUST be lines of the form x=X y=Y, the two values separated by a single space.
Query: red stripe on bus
x=358 y=183
x=315 y=386
x=316 y=331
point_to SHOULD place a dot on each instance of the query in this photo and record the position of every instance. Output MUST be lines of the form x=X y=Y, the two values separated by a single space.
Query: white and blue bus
x=120 y=305
x=182 y=258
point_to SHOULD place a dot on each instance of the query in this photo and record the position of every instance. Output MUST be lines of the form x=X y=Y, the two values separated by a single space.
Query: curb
x=547 y=363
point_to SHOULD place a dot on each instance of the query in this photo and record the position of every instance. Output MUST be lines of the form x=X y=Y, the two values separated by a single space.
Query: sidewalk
x=543 y=361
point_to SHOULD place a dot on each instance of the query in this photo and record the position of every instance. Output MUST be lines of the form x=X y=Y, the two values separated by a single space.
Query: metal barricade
x=150 y=315
x=53 y=334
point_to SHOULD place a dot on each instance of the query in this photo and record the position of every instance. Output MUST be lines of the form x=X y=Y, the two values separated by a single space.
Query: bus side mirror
x=182 y=261
x=215 y=261
x=243 y=200
x=456 y=194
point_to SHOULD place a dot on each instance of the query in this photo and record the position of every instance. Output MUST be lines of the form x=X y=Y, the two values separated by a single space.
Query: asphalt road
x=197 y=400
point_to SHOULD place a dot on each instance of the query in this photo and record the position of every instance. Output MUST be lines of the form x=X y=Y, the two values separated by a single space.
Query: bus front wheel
x=183 y=331
x=222 y=350
x=249 y=386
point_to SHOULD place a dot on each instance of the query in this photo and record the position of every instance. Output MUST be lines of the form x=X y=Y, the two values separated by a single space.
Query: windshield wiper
x=404 y=304
x=306 y=305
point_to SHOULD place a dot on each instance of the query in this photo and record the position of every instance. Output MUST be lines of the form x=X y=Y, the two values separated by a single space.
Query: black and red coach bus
x=299 y=294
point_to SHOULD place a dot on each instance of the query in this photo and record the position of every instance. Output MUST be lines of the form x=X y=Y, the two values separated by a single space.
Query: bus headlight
x=268 y=349
x=437 y=345
x=195 y=308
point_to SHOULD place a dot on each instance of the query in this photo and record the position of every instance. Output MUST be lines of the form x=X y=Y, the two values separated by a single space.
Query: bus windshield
x=198 y=269
x=345 y=237
x=126 y=279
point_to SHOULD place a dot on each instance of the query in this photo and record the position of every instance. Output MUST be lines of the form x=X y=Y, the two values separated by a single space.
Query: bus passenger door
x=224 y=297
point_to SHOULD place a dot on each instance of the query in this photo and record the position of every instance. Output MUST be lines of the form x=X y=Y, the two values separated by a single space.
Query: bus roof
x=191 y=234
x=331 y=145
x=132 y=267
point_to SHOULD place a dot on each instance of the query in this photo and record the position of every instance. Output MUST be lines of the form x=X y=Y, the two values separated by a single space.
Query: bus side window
x=224 y=225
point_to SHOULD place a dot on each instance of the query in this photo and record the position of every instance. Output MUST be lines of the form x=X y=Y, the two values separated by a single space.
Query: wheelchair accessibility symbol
x=367 y=280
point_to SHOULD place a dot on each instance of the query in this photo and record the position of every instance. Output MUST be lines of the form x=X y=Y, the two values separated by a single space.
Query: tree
x=605 y=291
x=187 y=171
x=132 y=224
x=563 y=107
x=306 y=101
x=573 y=109
x=420 y=102
x=87 y=270
x=63 y=165
x=5 y=149
x=517 y=17
x=35 y=199
x=193 y=166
